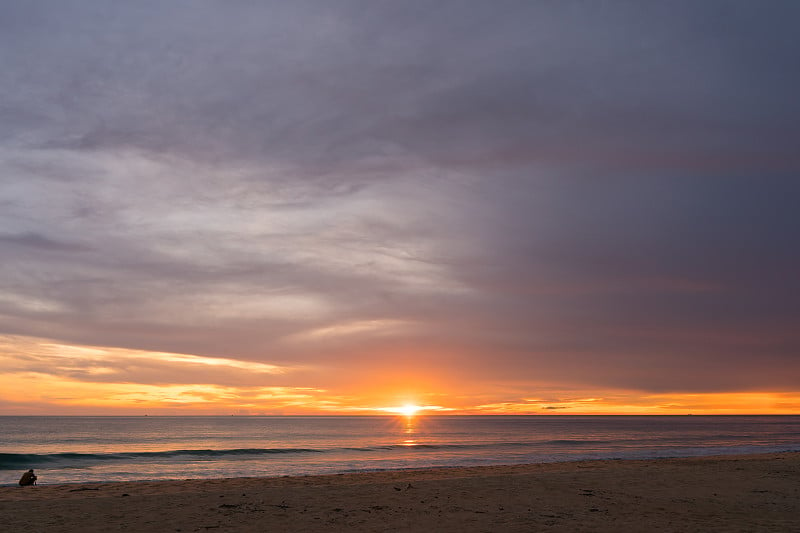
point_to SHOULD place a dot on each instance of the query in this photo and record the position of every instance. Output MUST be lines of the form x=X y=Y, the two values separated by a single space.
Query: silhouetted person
x=28 y=478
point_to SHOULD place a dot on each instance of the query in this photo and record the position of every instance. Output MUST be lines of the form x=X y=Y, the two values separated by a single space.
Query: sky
x=312 y=207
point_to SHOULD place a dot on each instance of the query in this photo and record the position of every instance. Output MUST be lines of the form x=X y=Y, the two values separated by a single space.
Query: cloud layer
x=504 y=197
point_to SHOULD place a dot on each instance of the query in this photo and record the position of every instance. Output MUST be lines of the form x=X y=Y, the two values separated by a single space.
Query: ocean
x=89 y=449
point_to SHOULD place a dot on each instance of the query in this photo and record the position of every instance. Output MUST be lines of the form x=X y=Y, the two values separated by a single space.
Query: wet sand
x=730 y=493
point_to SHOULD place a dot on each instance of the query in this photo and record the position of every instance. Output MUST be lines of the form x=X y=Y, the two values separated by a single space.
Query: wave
x=11 y=461
x=16 y=460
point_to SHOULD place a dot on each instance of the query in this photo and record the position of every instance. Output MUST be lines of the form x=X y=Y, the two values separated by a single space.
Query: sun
x=408 y=409
x=412 y=409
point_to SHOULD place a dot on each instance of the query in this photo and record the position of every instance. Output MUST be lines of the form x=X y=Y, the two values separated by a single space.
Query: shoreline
x=720 y=456
x=755 y=492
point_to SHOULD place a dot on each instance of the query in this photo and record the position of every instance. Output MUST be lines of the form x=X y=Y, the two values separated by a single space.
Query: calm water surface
x=79 y=449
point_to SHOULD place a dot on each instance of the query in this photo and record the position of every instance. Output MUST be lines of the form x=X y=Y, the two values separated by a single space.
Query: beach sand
x=730 y=493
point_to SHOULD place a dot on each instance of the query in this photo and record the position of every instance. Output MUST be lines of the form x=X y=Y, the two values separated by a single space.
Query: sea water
x=81 y=449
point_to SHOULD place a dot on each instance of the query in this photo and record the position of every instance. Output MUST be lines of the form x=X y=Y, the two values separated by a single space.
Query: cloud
x=40 y=242
x=23 y=355
x=586 y=194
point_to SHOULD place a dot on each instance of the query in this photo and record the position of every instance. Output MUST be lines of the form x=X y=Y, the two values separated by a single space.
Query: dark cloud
x=40 y=242
x=597 y=193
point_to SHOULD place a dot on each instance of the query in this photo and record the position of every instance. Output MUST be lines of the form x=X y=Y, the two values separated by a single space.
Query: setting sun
x=409 y=409
x=405 y=410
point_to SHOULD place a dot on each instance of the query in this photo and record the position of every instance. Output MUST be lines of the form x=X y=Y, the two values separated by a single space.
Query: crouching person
x=28 y=478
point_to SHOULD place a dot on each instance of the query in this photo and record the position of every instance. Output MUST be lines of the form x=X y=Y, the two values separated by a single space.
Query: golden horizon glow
x=406 y=410
x=41 y=376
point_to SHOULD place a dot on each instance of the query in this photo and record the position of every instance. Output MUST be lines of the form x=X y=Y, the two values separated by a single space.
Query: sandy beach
x=730 y=493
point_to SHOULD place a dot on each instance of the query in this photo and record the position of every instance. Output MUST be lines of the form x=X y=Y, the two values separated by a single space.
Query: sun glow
x=408 y=409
